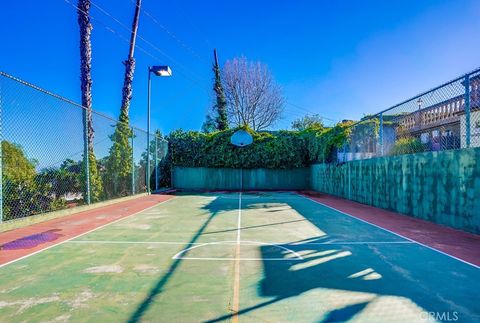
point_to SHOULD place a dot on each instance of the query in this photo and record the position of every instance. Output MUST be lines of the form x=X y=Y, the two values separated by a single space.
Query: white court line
x=256 y=197
x=130 y=242
x=397 y=234
x=82 y=234
x=234 y=198
x=355 y=242
x=239 y=219
x=234 y=259
x=179 y=254
x=238 y=244
x=229 y=243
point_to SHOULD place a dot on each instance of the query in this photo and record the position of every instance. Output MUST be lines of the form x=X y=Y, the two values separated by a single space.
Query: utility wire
x=174 y=61
x=172 y=35
x=143 y=50
x=195 y=27
x=148 y=53
x=183 y=44
x=304 y=110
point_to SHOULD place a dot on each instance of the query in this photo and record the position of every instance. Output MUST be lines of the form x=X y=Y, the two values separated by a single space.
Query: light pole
x=158 y=71
x=419 y=103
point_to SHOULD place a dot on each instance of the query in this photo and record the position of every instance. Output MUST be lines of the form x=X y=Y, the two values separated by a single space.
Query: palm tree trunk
x=130 y=67
x=93 y=181
x=86 y=67
x=123 y=129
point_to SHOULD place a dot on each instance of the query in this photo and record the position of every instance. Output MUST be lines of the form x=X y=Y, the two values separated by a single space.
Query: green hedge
x=274 y=150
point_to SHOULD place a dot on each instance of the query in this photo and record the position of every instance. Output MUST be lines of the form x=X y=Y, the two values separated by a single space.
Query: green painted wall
x=198 y=178
x=443 y=187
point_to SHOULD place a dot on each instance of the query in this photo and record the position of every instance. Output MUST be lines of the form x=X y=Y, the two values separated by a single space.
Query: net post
x=467 y=111
x=380 y=134
x=86 y=154
x=156 y=162
x=133 y=161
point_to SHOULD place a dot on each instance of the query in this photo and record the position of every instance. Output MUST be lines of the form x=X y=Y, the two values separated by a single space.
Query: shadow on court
x=214 y=208
x=421 y=276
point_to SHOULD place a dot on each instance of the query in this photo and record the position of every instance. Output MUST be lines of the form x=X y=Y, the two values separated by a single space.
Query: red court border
x=459 y=244
x=456 y=243
x=71 y=226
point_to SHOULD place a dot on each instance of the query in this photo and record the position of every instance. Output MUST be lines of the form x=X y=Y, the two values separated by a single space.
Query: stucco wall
x=443 y=187
x=199 y=178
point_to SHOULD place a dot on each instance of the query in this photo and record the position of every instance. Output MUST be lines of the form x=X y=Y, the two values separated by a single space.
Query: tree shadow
x=253 y=227
x=428 y=279
x=214 y=208
x=217 y=205
x=345 y=313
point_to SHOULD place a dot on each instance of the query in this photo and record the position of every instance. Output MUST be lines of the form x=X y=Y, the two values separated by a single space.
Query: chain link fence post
x=170 y=151
x=349 y=172
x=380 y=134
x=133 y=161
x=1 y=155
x=86 y=154
x=147 y=167
x=467 y=111
x=156 y=162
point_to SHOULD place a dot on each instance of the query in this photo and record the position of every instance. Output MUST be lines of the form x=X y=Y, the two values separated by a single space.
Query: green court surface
x=253 y=257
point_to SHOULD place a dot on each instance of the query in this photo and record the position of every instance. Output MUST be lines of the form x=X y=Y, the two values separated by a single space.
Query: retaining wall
x=199 y=178
x=442 y=187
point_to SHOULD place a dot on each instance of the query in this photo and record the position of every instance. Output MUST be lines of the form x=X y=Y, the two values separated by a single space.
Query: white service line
x=354 y=242
x=397 y=234
x=237 y=243
x=242 y=242
x=132 y=242
x=239 y=219
x=240 y=259
x=82 y=234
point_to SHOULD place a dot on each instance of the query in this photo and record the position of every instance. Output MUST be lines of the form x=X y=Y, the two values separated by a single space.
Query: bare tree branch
x=253 y=97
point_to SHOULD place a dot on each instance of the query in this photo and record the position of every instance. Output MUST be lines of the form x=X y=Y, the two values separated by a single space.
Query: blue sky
x=340 y=59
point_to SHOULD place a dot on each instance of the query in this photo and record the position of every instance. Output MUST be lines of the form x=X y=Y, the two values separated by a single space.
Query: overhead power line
x=186 y=71
x=148 y=42
x=140 y=48
x=184 y=45
x=304 y=110
x=172 y=34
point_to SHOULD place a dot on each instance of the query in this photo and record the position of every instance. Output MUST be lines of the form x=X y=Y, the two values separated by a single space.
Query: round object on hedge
x=241 y=138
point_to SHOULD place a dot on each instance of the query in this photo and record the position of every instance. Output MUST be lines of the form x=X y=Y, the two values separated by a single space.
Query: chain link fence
x=45 y=141
x=446 y=117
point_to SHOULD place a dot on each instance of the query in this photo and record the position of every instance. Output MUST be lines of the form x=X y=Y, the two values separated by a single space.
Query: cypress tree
x=221 y=120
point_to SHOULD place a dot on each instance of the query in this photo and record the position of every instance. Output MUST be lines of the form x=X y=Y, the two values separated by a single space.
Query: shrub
x=407 y=145
x=22 y=194
x=276 y=149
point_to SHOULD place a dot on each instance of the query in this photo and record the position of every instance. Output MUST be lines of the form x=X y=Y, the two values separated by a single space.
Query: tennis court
x=230 y=256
